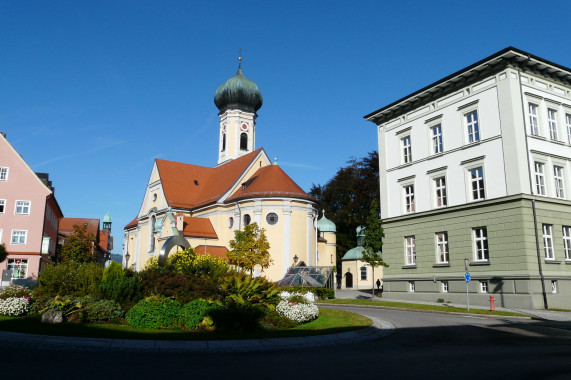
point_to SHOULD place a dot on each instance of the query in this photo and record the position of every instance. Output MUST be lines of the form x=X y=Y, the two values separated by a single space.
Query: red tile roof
x=198 y=227
x=133 y=223
x=269 y=181
x=213 y=251
x=66 y=225
x=191 y=186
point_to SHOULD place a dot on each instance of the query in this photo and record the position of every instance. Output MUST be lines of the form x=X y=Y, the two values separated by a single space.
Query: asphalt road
x=424 y=346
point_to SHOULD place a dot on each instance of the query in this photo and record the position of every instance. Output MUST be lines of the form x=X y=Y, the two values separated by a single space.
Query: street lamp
x=295 y=258
x=127 y=257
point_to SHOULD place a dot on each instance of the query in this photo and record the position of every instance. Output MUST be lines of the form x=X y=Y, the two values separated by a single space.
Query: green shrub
x=93 y=310
x=183 y=288
x=321 y=293
x=240 y=290
x=237 y=319
x=125 y=290
x=273 y=320
x=67 y=305
x=15 y=291
x=113 y=272
x=71 y=279
x=194 y=313
x=155 y=313
x=440 y=300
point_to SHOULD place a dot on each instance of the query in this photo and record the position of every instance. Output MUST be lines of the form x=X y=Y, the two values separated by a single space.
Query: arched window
x=223 y=142
x=244 y=141
x=363 y=273
x=247 y=219
x=152 y=230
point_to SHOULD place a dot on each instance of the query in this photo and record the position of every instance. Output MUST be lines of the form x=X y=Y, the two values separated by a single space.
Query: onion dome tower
x=238 y=99
x=107 y=223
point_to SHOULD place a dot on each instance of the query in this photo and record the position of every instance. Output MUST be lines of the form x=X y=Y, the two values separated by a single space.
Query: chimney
x=180 y=221
x=3 y=134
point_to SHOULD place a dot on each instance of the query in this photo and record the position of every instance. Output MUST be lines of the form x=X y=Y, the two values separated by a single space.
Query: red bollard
x=492 y=306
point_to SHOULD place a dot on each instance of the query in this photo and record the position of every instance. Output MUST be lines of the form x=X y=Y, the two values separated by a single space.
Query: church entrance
x=348 y=280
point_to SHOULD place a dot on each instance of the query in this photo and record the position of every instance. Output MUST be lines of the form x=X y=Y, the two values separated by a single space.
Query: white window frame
x=408 y=198
x=410 y=250
x=445 y=287
x=484 y=287
x=442 y=248
x=363 y=273
x=411 y=286
x=539 y=172
x=533 y=119
x=277 y=218
x=553 y=286
x=23 y=206
x=406 y=149
x=477 y=184
x=3 y=203
x=568 y=123
x=20 y=234
x=481 y=251
x=440 y=191
x=567 y=242
x=559 y=179
x=472 y=128
x=12 y=264
x=436 y=138
x=4 y=173
x=552 y=122
x=548 y=241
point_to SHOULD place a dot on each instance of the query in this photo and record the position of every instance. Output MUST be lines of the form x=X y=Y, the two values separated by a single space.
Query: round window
x=230 y=222
x=272 y=218
x=247 y=219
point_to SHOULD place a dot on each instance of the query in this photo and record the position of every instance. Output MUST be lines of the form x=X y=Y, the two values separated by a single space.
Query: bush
x=14 y=306
x=195 y=312
x=67 y=305
x=240 y=290
x=321 y=293
x=93 y=310
x=127 y=291
x=15 y=291
x=71 y=279
x=189 y=263
x=113 y=272
x=237 y=319
x=155 y=313
x=183 y=288
x=276 y=321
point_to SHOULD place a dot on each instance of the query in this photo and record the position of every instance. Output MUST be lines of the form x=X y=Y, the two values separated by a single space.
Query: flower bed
x=14 y=306
x=298 y=312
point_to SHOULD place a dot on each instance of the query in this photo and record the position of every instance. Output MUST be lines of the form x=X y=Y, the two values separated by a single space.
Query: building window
x=553 y=286
x=3 y=174
x=230 y=222
x=477 y=181
x=19 y=268
x=442 y=256
x=568 y=122
x=22 y=207
x=437 y=145
x=406 y=150
x=409 y=198
x=223 y=142
x=440 y=188
x=548 y=241
x=411 y=286
x=272 y=218
x=363 y=273
x=244 y=141
x=247 y=219
x=483 y=286
x=552 y=120
x=539 y=178
x=410 y=250
x=472 y=126
x=445 y=287
x=2 y=206
x=559 y=181
x=567 y=242
x=480 y=236
x=19 y=237
x=533 y=119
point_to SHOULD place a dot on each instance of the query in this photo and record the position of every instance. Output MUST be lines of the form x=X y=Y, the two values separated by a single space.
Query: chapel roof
x=198 y=227
x=214 y=251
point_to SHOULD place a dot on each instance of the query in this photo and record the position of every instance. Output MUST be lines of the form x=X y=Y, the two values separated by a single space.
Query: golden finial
x=240 y=60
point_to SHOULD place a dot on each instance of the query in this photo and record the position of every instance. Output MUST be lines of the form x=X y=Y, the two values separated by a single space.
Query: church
x=205 y=205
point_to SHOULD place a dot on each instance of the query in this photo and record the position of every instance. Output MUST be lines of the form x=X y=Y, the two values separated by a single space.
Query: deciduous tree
x=79 y=246
x=250 y=248
x=3 y=253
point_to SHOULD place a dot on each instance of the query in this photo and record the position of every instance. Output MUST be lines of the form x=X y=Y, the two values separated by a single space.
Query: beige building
x=358 y=274
x=206 y=205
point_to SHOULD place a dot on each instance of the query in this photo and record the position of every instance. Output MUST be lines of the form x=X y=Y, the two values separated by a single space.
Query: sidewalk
x=549 y=315
x=379 y=329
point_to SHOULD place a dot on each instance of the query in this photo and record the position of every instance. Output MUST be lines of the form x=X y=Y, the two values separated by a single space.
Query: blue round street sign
x=467 y=276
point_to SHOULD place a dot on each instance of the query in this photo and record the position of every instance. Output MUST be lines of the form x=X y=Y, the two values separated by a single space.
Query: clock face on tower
x=244 y=127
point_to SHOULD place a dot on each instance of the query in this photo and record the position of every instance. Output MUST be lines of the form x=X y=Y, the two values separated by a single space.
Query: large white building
x=477 y=166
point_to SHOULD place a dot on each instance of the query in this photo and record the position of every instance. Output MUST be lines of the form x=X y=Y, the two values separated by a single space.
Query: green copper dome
x=353 y=254
x=107 y=218
x=325 y=225
x=240 y=93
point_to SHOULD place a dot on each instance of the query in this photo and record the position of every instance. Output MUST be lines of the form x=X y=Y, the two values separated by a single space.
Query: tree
x=250 y=248
x=373 y=242
x=346 y=199
x=79 y=246
x=3 y=253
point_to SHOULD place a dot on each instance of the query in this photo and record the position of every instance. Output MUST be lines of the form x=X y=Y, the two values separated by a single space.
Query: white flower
x=298 y=312
x=14 y=307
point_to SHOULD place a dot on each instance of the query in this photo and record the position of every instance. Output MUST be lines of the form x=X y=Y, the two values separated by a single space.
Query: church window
x=272 y=218
x=244 y=141
x=152 y=230
x=223 y=142
x=247 y=219
x=230 y=222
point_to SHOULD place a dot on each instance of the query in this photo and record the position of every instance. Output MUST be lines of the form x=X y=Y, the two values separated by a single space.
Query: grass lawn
x=329 y=321
x=415 y=306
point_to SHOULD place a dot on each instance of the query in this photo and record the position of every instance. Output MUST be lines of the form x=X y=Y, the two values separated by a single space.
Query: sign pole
x=467 y=278
x=467 y=296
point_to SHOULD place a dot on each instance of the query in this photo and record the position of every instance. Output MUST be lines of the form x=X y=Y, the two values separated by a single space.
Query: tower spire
x=240 y=60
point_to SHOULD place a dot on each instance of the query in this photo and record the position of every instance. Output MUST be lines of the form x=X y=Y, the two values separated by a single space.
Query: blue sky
x=93 y=91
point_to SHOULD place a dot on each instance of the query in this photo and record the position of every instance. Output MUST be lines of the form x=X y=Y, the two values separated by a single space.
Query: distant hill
x=117 y=258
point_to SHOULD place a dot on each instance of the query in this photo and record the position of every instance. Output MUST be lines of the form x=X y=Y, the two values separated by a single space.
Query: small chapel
x=205 y=205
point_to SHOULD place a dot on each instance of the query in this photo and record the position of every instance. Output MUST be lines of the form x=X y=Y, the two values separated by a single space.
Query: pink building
x=29 y=215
